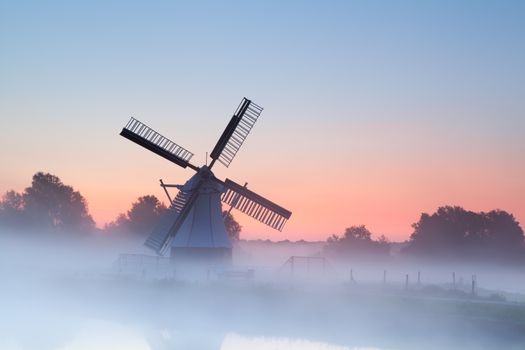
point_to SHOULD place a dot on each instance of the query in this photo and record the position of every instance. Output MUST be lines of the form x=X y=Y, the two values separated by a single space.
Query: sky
x=374 y=111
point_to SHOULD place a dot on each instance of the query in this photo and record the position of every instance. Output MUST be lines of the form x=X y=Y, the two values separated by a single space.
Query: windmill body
x=193 y=227
x=202 y=235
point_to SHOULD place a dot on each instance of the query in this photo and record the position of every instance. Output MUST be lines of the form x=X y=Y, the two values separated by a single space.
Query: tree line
x=451 y=232
x=50 y=205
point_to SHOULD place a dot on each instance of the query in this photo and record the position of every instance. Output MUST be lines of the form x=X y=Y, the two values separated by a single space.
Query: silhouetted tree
x=141 y=218
x=46 y=204
x=232 y=226
x=12 y=209
x=358 y=234
x=453 y=232
x=357 y=241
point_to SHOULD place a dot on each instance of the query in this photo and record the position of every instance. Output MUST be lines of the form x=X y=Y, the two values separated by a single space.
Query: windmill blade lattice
x=160 y=238
x=180 y=201
x=148 y=138
x=236 y=132
x=254 y=205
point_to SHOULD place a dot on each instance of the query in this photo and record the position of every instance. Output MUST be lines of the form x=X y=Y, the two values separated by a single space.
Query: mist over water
x=66 y=292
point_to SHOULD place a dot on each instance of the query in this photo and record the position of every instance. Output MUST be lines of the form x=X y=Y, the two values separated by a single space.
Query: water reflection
x=109 y=335
x=106 y=335
x=237 y=342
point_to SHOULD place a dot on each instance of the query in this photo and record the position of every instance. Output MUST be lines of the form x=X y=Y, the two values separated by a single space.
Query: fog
x=70 y=292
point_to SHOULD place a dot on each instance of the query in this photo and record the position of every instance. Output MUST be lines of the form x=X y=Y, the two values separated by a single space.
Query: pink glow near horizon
x=352 y=180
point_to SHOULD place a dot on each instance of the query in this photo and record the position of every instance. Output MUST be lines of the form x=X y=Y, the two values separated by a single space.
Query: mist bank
x=49 y=252
x=57 y=288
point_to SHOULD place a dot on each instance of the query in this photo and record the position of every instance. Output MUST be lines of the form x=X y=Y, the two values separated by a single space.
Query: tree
x=141 y=218
x=47 y=204
x=453 y=232
x=233 y=228
x=357 y=233
x=12 y=209
x=357 y=241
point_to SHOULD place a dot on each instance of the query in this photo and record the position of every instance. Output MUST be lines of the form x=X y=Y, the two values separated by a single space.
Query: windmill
x=193 y=227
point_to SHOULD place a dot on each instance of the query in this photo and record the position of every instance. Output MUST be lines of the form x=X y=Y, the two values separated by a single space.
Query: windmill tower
x=193 y=227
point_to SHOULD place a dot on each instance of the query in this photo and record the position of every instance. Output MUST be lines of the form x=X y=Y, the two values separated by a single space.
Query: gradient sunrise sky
x=375 y=111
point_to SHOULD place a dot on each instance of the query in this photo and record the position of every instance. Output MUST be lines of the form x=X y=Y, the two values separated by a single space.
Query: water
x=108 y=335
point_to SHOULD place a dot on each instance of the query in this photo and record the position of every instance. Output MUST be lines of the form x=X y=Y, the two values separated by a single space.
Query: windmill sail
x=236 y=132
x=161 y=236
x=180 y=201
x=148 y=138
x=254 y=205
